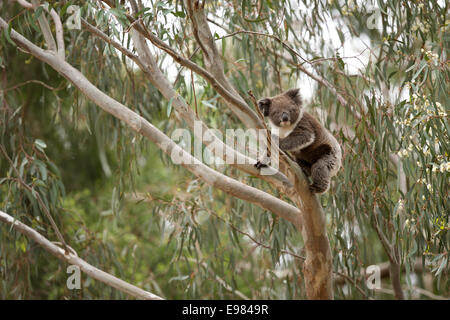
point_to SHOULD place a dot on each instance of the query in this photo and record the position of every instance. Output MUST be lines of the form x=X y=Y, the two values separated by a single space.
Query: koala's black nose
x=284 y=116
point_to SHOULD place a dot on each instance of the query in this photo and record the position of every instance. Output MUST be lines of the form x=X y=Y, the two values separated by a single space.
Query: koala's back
x=324 y=146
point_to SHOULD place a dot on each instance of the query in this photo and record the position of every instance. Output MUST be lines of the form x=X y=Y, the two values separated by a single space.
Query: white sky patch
x=355 y=51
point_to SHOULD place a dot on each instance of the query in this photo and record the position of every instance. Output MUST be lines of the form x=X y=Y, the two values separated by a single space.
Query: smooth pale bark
x=160 y=81
x=318 y=264
x=243 y=111
x=147 y=64
x=45 y=28
x=213 y=61
x=142 y=126
x=310 y=221
x=59 y=34
x=73 y=259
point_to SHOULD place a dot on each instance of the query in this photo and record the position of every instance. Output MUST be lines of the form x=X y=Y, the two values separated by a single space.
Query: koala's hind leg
x=321 y=174
x=306 y=167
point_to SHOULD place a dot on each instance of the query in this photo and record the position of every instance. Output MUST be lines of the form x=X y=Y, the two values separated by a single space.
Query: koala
x=314 y=148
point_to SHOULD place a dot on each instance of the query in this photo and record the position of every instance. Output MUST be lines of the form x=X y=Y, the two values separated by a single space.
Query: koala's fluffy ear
x=264 y=106
x=294 y=94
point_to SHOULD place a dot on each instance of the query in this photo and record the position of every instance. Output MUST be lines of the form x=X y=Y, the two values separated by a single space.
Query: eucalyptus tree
x=376 y=74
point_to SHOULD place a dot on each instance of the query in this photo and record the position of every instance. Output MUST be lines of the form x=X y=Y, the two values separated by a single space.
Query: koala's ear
x=264 y=106
x=294 y=94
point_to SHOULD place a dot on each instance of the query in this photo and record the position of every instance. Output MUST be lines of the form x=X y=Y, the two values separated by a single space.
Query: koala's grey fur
x=315 y=149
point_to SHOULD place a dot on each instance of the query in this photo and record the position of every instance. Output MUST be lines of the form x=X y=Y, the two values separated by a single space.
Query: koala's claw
x=317 y=189
x=263 y=163
x=258 y=165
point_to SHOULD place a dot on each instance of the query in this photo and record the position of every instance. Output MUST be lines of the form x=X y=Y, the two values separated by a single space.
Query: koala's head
x=284 y=109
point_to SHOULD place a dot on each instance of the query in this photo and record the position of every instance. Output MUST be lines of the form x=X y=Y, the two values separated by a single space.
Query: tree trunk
x=318 y=267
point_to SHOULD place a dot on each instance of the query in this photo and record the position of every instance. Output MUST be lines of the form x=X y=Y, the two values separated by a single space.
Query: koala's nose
x=284 y=116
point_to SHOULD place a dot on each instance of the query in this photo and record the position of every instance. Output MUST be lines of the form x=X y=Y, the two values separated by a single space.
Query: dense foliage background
x=125 y=208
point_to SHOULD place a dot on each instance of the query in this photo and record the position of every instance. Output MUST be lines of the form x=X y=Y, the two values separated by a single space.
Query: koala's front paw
x=264 y=163
x=316 y=188
x=258 y=165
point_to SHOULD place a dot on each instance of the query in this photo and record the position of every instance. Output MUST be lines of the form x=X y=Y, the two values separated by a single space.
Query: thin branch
x=59 y=34
x=25 y=4
x=339 y=277
x=416 y=267
x=318 y=78
x=182 y=67
x=97 y=32
x=212 y=58
x=195 y=95
x=151 y=70
x=429 y=294
x=391 y=252
x=45 y=28
x=395 y=273
x=418 y=290
x=142 y=126
x=38 y=198
x=261 y=116
x=59 y=46
x=31 y=81
x=310 y=221
x=318 y=265
x=241 y=109
x=403 y=186
x=333 y=90
x=73 y=259
x=343 y=277
x=160 y=81
x=224 y=284
x=258 y=243
x=283 y=43
x=384 y=240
